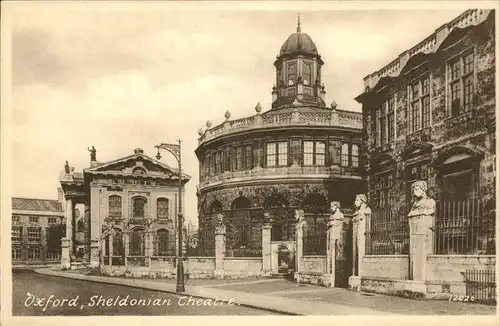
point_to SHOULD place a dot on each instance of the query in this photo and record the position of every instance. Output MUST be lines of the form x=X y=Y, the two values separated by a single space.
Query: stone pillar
x=126 y=244
x=421 y=219
x=94 y=253
x=148 y=247
x=266 y=247
x=220 y=247
x=65 y=259
x=110 y=244
x=66 y=242
x=360 y=221
x=299 y=232
x=333 y=235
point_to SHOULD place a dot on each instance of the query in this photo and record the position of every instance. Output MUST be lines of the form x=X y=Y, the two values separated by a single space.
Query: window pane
x=248 y=157
x=344 y=155
x=426 y=112
x=283 y=153
x=382 y=131
x=468 y=92
x=162 y=208
x=271 y=154
x=291 y=73
x=308 y=152
x=415 y=91
x=390 y=127
x=468 y=63
x=455 y=98
x=355 y=155
x=139 y=207
x=425 y=86
x=455 y=69
x=320 y=147
x=115 y=206
x=239 y=158
x=415 y=116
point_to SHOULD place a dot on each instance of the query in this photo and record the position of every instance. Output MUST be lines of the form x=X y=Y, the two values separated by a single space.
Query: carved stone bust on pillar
x=336 y=220
x=220 y=228
x=422 y=205
x=299 y=218
x=362 y=209
x=360 y=218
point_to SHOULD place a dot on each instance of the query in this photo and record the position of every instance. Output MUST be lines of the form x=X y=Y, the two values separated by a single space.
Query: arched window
x=115 y=206
x=139 y=204
x=162 y=208
x=215 y=208
x=163 y=246
x=138 y=170
x=137 y=242
x=241 y=203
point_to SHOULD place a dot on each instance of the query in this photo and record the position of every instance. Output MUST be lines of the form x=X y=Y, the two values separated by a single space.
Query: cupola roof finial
x=298 y=23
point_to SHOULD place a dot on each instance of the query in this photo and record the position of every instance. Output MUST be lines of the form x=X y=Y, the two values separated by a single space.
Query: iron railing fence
x=314 y=236
x=387 y=233
x=480 y=286
x=463 y=227
x=202 y=243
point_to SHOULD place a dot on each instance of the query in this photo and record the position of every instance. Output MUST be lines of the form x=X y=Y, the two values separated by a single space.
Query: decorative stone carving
x=299 y=217
x=336 y=218
x=66 y=167
x=220 y=228
x=267 y=217
x=422 y=205
x=93 y=154
x=362 y=209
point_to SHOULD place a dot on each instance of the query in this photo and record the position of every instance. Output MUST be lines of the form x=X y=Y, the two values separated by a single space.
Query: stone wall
x=385 y=266
x=313 y=264
x=242 y=267
x=200 y=267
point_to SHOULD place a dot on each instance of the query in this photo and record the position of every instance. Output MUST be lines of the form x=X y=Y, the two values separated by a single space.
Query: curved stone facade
x=256 y=170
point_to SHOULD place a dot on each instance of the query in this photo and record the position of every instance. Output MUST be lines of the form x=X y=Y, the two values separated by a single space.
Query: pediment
x=416 y=149
x=139 y=165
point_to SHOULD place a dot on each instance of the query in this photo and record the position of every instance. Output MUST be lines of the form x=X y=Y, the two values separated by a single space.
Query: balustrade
x=345 y=119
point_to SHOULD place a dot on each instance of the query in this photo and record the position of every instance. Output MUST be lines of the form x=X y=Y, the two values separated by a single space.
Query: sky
x=119 y=80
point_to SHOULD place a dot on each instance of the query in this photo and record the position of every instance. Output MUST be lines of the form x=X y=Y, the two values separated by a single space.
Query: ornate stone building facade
x=300 y=154
x=430 y=115
x=130 y=209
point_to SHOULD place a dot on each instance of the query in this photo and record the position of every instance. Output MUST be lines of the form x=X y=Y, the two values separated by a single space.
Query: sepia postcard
x=163 y=161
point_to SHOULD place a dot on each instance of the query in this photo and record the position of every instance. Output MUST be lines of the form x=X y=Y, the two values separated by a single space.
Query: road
x=32 y=297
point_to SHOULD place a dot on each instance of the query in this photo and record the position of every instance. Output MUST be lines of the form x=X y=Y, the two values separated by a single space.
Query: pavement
x=287 y=297
x=98 y=299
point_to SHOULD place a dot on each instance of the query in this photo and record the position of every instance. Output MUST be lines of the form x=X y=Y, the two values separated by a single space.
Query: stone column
x=94 y=253
x=65 y=259
x=299 y=232
x=68 y=239
x=266 y=246
x=220 y=247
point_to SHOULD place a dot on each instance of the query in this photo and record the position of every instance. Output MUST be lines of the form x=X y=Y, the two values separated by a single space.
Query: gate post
x=220 y=246
x=333 y=236
x=266 y=244
x=360 y=220
x=299 y=230
x=421 y=219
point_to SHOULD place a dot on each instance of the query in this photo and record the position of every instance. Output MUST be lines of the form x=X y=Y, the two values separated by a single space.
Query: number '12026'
x=461 y=298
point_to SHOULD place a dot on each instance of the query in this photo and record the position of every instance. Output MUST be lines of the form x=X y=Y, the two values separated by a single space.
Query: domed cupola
x=298 y=73
x=298 y=43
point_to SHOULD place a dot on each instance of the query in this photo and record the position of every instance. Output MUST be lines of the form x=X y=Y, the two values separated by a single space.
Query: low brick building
x=37 y=230
x=430 y=115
